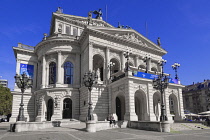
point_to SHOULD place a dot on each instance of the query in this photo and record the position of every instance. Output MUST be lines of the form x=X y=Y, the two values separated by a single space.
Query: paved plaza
x=77 y=132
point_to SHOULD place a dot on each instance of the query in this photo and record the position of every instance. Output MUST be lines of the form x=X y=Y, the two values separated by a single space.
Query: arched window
x=52 y=73
x=68 y=73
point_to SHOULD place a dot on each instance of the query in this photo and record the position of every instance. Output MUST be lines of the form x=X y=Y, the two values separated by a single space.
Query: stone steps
x=187 y=126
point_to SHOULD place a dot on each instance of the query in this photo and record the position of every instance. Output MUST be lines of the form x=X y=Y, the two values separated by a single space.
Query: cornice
x=54 y=40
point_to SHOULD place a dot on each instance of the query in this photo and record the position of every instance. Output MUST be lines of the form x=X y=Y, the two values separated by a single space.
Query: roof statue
x=98 y=14
x=90 y=17
x=127 y=27
x=59 y=10
x=120 y=26
x=158 y=41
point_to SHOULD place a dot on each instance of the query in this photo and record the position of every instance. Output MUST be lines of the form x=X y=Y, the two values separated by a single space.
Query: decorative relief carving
x=141 y=87
x=98 y=51
x=94 y=23
x=68 y=57
x=131 y=37
x=114 y=55
x=68 y=92
x=119 y=88
x=173 y=91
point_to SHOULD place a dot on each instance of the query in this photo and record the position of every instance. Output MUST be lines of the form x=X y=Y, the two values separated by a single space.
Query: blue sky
x=182 y=25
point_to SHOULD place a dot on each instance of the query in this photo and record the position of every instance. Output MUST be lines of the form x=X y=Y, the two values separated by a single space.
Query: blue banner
x=28 y=69
x=152 y=76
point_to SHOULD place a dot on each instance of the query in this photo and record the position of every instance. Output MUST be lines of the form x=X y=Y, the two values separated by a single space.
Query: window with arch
x=52 y=73
x=68 y=73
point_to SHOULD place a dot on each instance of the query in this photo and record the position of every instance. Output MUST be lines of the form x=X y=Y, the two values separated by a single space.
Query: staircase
x=187 y=126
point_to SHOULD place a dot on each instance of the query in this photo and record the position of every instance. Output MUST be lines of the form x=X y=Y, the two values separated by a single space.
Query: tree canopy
x=5 y=100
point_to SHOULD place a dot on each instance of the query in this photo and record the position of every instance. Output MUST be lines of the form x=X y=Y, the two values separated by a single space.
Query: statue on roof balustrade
x=98 y=14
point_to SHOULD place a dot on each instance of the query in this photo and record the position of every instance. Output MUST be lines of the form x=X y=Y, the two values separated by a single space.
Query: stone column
x=43 y=71
x=149 y=64
x=122 y=62
x=107 y=68
x=136 y=61
x=58 y=83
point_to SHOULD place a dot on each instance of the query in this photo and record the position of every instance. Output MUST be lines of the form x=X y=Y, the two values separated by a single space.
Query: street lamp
x=89 y=79
x=23 y=82
x=175 y=66
x=111 y=64
x=161 y=83
x=127 y=54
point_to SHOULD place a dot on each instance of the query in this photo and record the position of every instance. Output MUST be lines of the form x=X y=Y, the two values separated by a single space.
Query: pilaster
x=90 y=47
x=166 y=102
x=58 y=83
x=107 y=67
x=130 y=114
x=122 y=62
x=150 y=100
x=43 y=71
x=77 y=70
x=148 y=64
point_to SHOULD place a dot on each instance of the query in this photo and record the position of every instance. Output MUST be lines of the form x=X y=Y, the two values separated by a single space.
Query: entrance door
x=118 y=108
x=49 y=109
x=67 y=108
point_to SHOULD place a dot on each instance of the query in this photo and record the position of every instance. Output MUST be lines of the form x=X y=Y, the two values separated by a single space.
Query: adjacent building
x=196 y=97
x=4 y=82
x=76 y=45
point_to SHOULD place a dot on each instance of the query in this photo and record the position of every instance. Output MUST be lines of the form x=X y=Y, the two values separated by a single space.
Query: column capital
x=59 y=51
x=90 y=44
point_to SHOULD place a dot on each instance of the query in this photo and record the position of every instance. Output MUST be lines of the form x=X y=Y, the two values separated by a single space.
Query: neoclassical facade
x=76 y=45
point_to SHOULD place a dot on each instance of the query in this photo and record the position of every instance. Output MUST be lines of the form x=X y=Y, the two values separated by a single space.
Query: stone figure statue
x=98 y=74
x=98 y=14
x=59 y=10
x=89 y=17
x=158 y=41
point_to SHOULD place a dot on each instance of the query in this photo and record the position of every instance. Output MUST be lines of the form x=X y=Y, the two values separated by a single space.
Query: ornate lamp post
x=23 y=82
x=161 y=84
x=127 y=54
x=111 y=64
x=175 y=66
x=89 y=79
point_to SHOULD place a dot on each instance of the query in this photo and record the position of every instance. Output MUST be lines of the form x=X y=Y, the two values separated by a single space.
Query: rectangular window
x=68 y=30
x=75 y=32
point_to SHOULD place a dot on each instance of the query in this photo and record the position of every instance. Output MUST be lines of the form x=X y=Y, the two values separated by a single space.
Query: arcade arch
x=157 y=105
x=98 y=66
x=140 y=105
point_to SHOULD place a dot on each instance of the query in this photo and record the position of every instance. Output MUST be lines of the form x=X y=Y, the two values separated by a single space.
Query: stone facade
x=78 y=46
x=196 y=97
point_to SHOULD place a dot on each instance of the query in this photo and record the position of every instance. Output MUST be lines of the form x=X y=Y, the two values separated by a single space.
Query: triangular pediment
x=129 y=35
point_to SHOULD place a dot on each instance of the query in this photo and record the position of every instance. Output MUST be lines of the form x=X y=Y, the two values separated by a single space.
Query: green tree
x=5 y=100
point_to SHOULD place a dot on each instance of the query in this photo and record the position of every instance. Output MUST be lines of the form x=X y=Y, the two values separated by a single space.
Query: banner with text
x=28 y=69
x=152 y=76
